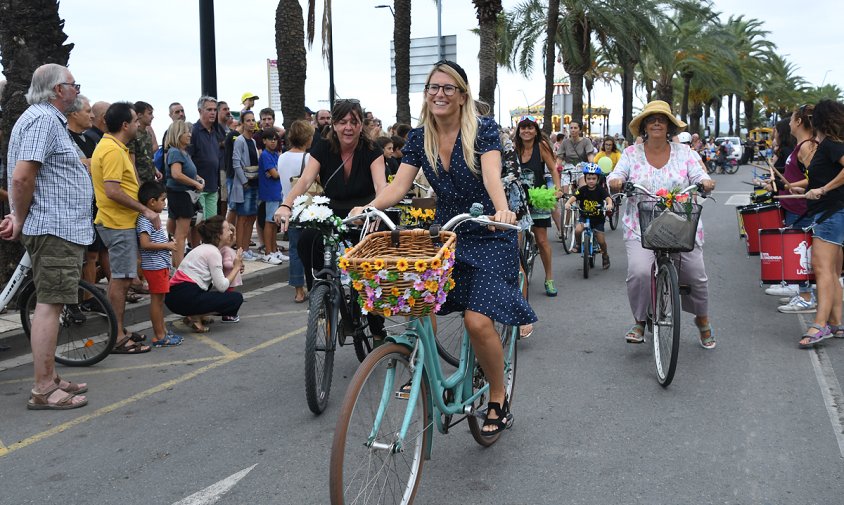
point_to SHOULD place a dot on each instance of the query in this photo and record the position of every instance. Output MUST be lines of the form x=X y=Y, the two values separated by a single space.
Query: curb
x=139 y=312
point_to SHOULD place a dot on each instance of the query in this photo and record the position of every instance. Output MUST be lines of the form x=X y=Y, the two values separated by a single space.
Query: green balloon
x=605 y=164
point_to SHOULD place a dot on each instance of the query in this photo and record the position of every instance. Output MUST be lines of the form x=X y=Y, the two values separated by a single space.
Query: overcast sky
x=149 y=50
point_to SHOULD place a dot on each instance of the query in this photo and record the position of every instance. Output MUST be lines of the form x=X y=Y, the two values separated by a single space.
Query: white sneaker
x=798 y=305
x=281 y=257
x=780 y=290
x=271 y=259
x=250 y=256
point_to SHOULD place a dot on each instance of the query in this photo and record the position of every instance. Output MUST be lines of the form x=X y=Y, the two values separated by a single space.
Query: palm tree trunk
x=550 y=56
x=401 y=42
x=588 y=126
x=31 y=34
x=487 y=13
x=665 y=92
x=292 y=61
x=627 y=78
x=748 y=114
x=738 y=116
x=695 y=113
x=577 y=98
x=730 y=113
x=684 y=105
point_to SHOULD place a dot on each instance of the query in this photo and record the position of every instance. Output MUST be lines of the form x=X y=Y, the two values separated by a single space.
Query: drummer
x=794 y=146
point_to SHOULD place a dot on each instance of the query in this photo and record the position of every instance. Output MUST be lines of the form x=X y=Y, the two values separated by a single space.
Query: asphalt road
x=223 y=417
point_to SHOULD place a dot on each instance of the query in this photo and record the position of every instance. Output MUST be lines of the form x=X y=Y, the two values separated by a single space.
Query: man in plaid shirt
x=50 y=197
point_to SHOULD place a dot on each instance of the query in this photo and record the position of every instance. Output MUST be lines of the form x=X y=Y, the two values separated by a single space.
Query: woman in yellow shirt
x=608 y=150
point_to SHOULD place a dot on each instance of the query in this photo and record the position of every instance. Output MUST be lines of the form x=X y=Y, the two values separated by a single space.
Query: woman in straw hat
x=657 y=163
x=460 y=156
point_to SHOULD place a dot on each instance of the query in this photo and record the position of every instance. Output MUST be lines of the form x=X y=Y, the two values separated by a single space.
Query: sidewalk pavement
x=256 y=275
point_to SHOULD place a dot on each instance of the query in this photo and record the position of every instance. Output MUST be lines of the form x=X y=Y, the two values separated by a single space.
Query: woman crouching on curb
x=202 y=269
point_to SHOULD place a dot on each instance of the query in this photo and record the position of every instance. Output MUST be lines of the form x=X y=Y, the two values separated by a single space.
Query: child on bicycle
x=589 y=198
x=155 y=247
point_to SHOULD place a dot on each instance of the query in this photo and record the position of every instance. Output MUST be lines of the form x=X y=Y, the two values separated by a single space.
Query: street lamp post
x=384 y=6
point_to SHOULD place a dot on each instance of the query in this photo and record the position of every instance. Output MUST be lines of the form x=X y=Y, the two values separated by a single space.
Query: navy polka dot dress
x=486 y=271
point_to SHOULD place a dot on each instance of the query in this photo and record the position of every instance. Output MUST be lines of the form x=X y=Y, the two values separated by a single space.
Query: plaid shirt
x=61 y=203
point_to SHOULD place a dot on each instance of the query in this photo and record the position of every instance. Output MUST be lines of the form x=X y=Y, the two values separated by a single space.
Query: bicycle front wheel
x=731 y=167
x=616 y=213
x=569 y=223
x=320 y=343
x=510 y=343
x=666 y=323
x=586 y=253
x=369 y=463
x=87 y=329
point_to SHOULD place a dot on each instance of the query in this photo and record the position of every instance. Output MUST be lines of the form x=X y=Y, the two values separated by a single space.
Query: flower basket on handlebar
x=401 y=272
x=671 y=227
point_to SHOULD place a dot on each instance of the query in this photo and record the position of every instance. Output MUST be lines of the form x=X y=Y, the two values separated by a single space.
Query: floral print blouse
x=682 y=170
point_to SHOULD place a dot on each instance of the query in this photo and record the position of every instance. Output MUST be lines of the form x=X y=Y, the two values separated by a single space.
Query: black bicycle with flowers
x=333 y=311
x=668 y=223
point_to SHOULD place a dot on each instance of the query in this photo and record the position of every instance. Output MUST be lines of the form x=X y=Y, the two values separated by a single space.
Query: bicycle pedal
x=403 y=393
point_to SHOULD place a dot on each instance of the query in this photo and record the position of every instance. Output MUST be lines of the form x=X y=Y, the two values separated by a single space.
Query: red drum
x=786 y=256
x=756 y=217
x=741 y=232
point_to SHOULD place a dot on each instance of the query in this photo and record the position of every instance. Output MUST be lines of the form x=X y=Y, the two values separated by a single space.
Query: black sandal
x=502 y=422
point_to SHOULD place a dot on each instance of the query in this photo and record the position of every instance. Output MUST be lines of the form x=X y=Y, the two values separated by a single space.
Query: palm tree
x=31 y=34
x=401 y=45
x=550 y=53
x=488 y=12
x=290 y=48
x=753 y=52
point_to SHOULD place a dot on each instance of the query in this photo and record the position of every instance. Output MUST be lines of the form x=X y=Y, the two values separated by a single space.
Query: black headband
x=457 y=68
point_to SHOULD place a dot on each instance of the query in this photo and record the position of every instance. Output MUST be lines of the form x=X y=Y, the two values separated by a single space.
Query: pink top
x=794 y=171
x=204 y=266
x=229 y=255
x=682 y=170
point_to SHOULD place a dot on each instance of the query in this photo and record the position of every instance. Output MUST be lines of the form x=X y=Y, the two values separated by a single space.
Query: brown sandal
x=72 y=387
x=41 y=401
x=136 y=348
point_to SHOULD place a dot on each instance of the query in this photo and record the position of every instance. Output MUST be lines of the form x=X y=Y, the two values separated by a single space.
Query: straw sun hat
x=654 y=107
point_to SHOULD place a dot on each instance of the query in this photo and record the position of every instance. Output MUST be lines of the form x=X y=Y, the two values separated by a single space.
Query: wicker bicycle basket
x=671 y=229
x=398 y=263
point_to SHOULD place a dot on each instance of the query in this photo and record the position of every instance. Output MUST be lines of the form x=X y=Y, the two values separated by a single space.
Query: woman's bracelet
x=288 y=207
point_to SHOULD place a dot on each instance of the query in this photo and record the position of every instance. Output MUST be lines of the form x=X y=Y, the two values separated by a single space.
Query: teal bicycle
x=397 y=397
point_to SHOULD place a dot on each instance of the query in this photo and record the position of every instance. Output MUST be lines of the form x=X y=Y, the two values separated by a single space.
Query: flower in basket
x=542 y=198
x=314 y=212
x=669 y=198
x=412 y=216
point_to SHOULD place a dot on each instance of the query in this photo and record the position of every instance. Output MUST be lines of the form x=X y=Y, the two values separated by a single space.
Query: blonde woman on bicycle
x=460 y=156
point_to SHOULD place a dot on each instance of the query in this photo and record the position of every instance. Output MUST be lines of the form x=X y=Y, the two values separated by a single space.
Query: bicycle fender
x=401 y=340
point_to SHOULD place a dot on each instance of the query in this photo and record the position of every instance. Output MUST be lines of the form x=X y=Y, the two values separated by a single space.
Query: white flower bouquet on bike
x=313 y=212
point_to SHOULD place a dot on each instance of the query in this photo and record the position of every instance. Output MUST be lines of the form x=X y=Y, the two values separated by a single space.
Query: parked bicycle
x=87 y=330
x=333 y=316
x=666 y=229
x=396 y=398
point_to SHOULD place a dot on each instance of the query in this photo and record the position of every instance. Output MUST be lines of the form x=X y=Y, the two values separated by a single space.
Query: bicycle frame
x=330 y=276
x=17 y=280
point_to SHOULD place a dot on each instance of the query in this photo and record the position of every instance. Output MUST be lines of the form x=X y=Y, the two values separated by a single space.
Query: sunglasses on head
x=528 y=118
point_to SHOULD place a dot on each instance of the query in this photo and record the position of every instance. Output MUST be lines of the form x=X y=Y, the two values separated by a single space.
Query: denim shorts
x=831 y=229
x=271 y=207
x=249 y=206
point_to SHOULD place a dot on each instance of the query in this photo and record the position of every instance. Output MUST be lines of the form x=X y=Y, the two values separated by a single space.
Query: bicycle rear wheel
x=320 y=343
x=570 y=237
x=509 y=341
x=449 y=335
x=731 y=167
x=87 y=329
x=666 y=323
x=369 y=467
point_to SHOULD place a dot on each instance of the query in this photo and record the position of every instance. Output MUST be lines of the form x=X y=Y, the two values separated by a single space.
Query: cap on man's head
x=247 y=96
x=309 y=111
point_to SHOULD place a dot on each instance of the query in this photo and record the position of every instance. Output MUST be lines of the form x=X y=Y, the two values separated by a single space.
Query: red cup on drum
x=786 y=256
x=765 y=216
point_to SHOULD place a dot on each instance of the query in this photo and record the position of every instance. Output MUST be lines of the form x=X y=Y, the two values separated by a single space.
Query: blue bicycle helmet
x=591 y=168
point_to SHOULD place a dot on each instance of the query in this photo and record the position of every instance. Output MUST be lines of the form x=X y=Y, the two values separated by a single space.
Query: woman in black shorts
x=537 y=159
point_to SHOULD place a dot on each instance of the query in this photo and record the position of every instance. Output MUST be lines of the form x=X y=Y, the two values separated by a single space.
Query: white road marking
x=214 y=492
x=830 y=389
x=737 y=200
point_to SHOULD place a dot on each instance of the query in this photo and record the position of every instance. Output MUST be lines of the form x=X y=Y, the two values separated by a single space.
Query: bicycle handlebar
x=630 y=187
x=453 y=223
x=369 y=213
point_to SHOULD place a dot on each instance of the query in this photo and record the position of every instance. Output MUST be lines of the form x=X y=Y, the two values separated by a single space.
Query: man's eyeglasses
x=73 y=85
x=448 y=89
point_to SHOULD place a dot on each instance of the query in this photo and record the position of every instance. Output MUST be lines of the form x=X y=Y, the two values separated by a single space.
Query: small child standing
x=269 y=192
x=590 y=199
x=155 y=249
x=229 y=256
